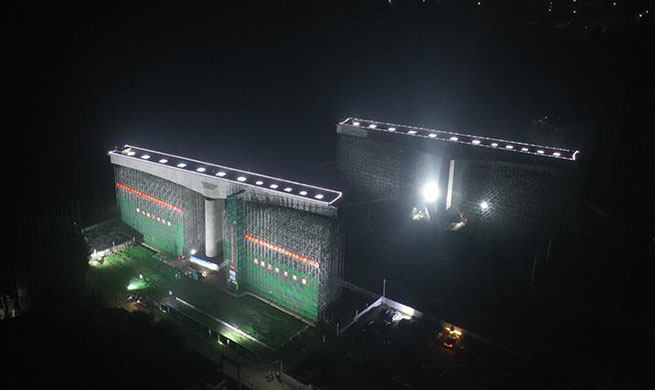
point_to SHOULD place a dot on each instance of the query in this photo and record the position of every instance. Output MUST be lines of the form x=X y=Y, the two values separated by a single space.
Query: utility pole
x=534 y=267
x=368 y=216
x=550 y=242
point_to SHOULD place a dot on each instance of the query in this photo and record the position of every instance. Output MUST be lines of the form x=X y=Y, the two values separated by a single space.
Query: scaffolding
x=371 y=169
x=289 y=257
x=169 y=216
x=286 y=252
x=524 y=197
x=521 y=199
x=374 y=169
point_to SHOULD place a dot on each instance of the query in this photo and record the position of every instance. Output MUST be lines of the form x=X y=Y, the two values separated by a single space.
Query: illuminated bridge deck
x=235 y=178
x=465 y=139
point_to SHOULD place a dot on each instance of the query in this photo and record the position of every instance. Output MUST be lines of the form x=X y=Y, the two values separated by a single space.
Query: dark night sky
x=262 y=87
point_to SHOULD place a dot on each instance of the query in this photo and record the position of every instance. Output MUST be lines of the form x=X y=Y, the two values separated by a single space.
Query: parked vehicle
x=451 y=338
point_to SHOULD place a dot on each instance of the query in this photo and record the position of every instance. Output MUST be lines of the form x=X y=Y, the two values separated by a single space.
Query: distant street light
x=484 y=205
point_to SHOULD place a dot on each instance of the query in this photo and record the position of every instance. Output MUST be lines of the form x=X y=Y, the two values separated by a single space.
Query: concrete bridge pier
x=213 y=226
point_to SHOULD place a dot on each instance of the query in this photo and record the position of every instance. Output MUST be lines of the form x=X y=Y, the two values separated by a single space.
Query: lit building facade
x=279 y=239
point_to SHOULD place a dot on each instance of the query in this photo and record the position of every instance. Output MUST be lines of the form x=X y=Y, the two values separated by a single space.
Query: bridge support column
x=451 y=181
x=213 y=226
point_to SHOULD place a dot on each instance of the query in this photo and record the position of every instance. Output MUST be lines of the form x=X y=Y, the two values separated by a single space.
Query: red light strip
x=282 y=251
x=148 y=197
x=232 y=247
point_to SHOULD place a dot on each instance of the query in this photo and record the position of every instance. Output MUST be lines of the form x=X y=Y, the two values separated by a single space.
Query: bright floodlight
x=259 y=182
x=392 y=129
x=181 y=165
x=476 y=142
x=193 y=251
x=241 y=178
x=494 y=144
x=372 y=126
x=524 y=149
x=540 y=151
x=274 y=186
x=288 y=189
x=318 y=196
x=163 y=161
x=356 y=123
x=146 y=157
x=557 y=154
x=204 y=263
x=131 y=153
x=484 y=205
x=509 y=147
x=430 y=192
x=201 y=169
x=411 y=132
x=221 y=174
x=303 y=193
x=454 y=138
x=432 y=135
x=137 y=284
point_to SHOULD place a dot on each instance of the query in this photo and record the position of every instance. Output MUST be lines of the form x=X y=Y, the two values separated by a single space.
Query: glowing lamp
x=430 y=192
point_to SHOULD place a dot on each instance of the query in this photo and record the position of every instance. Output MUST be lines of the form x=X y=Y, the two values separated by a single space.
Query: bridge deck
x=232 y=176
x=466 y=139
